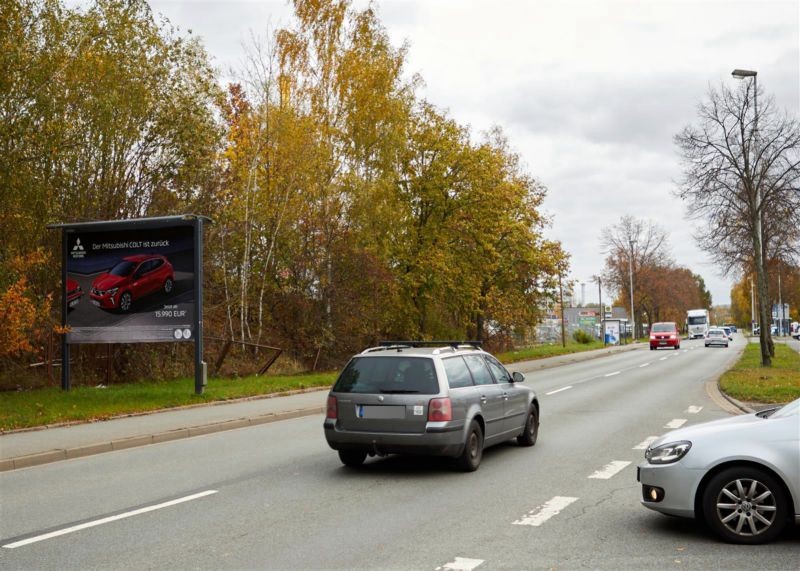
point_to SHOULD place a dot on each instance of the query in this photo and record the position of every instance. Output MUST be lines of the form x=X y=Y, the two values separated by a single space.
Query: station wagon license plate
x=380 y=411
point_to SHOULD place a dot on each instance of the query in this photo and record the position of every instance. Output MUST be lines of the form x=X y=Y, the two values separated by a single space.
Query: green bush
x=582 y=337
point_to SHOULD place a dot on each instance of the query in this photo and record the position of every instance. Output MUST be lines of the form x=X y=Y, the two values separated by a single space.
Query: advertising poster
x=612 y=332
x=132 y=285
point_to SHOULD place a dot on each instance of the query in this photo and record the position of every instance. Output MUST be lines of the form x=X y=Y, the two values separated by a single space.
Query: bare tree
x=633 y=246
x=742 y=175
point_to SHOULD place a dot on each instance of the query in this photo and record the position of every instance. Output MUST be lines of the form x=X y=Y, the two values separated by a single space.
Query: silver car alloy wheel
x=125 y=302
x=746 y=507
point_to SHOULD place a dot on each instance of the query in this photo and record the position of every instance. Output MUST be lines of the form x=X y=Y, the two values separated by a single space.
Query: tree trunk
x=765 y=337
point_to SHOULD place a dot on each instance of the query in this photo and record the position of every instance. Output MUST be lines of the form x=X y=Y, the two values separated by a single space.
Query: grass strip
x=24 y=409
x=544 y=351
x=748 y=381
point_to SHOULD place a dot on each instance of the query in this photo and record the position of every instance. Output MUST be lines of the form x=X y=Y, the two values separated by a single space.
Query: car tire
x=470 y=457
x=125 y=301
x=531 y=431
x=677 y=347
x=352 y=458
x=169 y=285
x=728 y=497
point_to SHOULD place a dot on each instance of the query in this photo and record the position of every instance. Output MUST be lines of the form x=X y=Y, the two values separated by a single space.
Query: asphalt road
x=276 y=497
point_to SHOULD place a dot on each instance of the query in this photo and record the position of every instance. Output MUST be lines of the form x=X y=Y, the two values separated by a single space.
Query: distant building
x=587 y=317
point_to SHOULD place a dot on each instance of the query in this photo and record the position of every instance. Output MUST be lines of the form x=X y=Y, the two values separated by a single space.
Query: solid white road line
x=612 y=374
x=460 y=564
x=645 y=443
x=675 y=423
x=559 y=390
x=645 y=365
x=109 y=519
x=541 y=514
x=609 y=470
x=694 y=409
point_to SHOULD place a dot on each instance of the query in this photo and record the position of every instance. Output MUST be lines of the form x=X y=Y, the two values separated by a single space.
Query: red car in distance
x=74 y=293
x=130 y=279
x=664 y=334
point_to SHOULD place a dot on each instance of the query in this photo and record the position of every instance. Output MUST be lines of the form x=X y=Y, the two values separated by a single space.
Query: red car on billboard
x=130 y=279
x=74 y=293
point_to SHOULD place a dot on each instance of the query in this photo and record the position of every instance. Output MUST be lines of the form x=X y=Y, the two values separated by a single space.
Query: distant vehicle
x=756 y=330
x=132 y=278
x=796 y=330
x=697 y=323
x=741 y=475
x=664 y=335
x=74 y=293
x=716 y=336
x=732 y=326
x=728 y=333
x=428 y=398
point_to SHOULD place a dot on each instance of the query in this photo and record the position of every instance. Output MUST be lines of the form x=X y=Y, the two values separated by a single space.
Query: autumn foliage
x=346 y=208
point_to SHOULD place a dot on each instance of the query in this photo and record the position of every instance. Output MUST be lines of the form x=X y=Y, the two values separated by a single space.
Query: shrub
x=582 y=337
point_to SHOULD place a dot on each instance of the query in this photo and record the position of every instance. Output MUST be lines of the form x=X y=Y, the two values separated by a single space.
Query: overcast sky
x=590 y=93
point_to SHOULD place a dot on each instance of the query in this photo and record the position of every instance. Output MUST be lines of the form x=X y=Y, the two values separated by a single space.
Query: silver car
x=741 y=475
x=439 y=398
x=716 y=336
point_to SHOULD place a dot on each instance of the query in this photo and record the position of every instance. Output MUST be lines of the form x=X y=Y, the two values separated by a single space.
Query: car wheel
x=652 y=348
x=470 y=458
x=745 y=505
x=168 y=285
x=531 y=431
x=125 y=302
x=352 y=458
x=677 y=347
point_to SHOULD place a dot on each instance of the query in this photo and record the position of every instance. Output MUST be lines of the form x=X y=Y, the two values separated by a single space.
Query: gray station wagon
x=438 y=398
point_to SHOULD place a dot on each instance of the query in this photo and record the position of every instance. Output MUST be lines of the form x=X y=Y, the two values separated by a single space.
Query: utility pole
x=561 y=300
x=601 y=309
x=780 y=304
x=752 y=306
x=630 y=270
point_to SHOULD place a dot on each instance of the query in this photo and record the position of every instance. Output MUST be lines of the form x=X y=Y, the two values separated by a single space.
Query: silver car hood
x=710 y=429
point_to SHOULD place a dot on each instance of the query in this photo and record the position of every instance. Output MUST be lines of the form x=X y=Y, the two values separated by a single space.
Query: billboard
x=128 y=284
x=612 y=331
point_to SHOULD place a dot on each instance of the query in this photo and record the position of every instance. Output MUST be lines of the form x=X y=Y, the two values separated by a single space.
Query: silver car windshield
x=793 y=408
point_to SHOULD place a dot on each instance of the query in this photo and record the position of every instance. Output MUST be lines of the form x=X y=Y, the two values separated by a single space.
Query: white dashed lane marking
x=663 y=359
x=612 y=374
x=541 y=514
x=559 y=390
x=109 y=519
x=675 y=423
x=609 y=470
x=694 y=409
x=460 y=564
x=644 y=365
x=645 y=443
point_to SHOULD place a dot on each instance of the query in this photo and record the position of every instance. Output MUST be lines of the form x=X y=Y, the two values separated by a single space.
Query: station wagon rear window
x=388 y=375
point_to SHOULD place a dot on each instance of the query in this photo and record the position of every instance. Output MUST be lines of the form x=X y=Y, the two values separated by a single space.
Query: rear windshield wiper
x=398 y=391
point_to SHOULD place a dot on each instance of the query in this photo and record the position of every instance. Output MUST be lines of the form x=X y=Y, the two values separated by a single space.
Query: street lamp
x=742 y=74
x=630 y=272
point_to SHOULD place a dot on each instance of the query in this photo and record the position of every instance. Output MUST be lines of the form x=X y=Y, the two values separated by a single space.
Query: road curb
x=534 y=365
x=737 y=403
x=40 y=458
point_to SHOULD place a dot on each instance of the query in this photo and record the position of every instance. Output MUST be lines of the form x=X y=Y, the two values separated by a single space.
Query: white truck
x=697 y=323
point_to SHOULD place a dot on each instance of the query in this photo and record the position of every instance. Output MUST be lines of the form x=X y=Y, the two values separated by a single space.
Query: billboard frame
x=196 y=222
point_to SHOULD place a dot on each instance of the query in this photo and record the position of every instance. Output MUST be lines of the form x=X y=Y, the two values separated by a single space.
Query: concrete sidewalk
x=26 y=448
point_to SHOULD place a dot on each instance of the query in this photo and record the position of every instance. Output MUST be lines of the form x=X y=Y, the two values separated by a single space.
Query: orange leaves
x=19 y=316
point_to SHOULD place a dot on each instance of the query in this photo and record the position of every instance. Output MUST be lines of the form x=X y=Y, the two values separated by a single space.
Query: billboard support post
x=199 y=369
x=65 y=384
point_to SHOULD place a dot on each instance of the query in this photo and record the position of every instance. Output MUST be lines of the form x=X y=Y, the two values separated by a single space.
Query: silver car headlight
x=668 y=453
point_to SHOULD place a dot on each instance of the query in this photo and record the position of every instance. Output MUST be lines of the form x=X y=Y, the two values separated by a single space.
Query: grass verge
x=26 y=409
x=748 y=381
x=544 y=351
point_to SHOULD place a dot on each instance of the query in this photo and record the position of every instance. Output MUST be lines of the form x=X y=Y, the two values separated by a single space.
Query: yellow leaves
x=19 y=316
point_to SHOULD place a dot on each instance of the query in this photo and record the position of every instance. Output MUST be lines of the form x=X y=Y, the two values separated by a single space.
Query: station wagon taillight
x=440 y=410
x=333 y=408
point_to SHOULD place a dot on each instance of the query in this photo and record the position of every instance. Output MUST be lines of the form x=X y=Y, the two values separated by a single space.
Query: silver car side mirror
x=517 y=377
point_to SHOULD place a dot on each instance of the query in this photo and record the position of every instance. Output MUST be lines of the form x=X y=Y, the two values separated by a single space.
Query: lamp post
x=752 y=306
x=761 y=271
x=630 y=272
x=601 y=309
